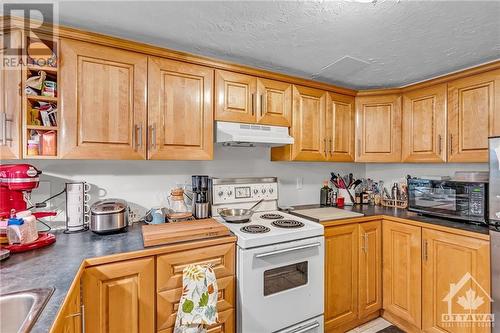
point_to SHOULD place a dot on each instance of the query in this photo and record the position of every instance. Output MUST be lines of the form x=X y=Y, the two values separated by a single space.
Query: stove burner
x=255 y=229
x=271 y=216
x=287 y=224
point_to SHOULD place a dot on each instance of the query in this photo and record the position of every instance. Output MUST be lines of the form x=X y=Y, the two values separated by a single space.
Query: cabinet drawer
x=168 y=302
x=169 y=267
x=225 y=324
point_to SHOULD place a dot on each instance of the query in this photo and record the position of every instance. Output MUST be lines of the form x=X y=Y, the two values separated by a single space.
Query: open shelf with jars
x=40 y=100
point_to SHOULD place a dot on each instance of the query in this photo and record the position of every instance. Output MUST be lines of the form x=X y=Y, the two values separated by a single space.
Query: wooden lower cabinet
x=370 y=268
x=455 y=279
x=402 y=271
x=70 y=319
x=353 y=277
x=120 y=297
x=226 y=324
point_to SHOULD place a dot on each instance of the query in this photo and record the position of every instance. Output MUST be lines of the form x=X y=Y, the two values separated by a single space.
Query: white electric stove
x=280 y=260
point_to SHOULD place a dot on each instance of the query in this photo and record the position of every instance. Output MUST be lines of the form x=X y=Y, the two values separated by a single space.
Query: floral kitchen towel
x=198 y=304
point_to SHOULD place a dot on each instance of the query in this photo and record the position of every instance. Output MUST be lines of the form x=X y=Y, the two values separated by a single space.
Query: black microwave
x=453 y=199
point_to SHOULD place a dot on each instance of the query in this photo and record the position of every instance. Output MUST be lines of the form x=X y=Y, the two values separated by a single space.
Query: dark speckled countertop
x=404 y=214
x=57 y=265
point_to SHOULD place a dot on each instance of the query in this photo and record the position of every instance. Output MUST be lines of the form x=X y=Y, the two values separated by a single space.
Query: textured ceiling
x=353 y=44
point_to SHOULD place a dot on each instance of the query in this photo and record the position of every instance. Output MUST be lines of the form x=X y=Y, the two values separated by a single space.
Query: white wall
x=391 y=173
x=146 y=183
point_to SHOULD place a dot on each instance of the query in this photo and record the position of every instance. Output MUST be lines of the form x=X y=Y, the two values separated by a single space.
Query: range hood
x=250 y=135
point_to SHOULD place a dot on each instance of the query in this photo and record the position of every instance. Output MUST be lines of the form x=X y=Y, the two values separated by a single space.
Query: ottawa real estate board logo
x=28 y=35
x=466 y=302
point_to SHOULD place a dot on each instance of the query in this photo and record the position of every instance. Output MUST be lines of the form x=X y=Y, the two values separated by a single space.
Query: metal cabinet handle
x=359 y=148
x=331 y=146
x=425 y=253
x=440 y=143
x=138 y=136
x=451 y=144
x=304 y=329
x=296 y=248
x=152 y=130
x=366 y=242
x=325 y=147
x=253 y=104
x=79 y=314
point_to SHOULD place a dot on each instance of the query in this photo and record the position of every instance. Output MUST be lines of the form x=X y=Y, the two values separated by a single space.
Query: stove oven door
x=280 y=285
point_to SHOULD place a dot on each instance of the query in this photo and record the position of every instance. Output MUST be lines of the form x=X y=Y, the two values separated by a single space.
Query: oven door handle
x=304 y=328
x=290 y=249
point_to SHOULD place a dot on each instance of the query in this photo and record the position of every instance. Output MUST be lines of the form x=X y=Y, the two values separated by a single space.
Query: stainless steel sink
x=19 y=310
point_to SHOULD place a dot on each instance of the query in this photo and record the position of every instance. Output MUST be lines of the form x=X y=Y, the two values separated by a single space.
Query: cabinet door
x=402 y=265
x=180 y=111
x=474 y=114
x=103 y=94
x=370 y=268
x=120 y=297
x=274 y=103
x=70 y=318
x=225 y=324
x=424 y=125
x=308 y=124
x=235 y=97
x=456 y=280
x=341 y=275
x=340 y=132
x=10 y=99
x=378 y=133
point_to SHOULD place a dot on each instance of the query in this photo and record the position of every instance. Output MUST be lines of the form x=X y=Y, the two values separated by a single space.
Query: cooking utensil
x=108 y=216
x=356 y=183
x=238 y=215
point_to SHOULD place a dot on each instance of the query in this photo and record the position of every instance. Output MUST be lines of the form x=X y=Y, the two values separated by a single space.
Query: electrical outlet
x=300 y=183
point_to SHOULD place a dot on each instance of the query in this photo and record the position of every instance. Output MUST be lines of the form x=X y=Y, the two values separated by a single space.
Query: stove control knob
x=220 y=193
x=271 y=190
x=255 y=191
x=263 y=191
x=229 y=193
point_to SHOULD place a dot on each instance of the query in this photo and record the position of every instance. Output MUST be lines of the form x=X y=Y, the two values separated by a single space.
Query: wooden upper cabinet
x=378 y=128
x=308 y=124
x=340 y=130
x=180 y=110
x=370 y=268
x=424 y=125
x=10 y=100
x=402 y=264
x=456 y=279
x=473 y=115
x=103 y=102
x=341 y=275
x=120 y=297
x=274 y=103
x=235 y=97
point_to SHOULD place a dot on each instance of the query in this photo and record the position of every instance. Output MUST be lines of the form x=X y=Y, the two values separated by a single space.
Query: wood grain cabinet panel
x=378 y=129
x=168 y=302
x=10 y=98
x=170 y=266
x=474 y=114
x=235 y=97
x=70 y=319
x=103 y=95
x=402 y=271
x=274 y=103
x=448 y=260
x=340 y=130
x=341 y=275
x=120 y=297
x=370 y=268
x=308 y=124
x=180 y=110
x=424 y=125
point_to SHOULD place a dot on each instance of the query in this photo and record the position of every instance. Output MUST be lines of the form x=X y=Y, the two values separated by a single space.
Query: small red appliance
x=16 y=183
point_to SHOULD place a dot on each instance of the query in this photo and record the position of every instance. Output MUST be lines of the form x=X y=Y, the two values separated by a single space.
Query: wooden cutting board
x=169 y=233
x=327 y=213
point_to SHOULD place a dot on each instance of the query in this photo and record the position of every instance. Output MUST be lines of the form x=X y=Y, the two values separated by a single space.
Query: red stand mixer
x=16 y=183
